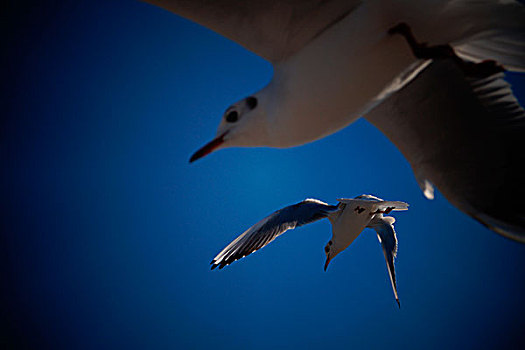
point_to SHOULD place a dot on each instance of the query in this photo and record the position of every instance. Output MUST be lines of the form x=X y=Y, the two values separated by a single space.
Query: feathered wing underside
x=508 y=50
x=501 y=32
x=384 y=227
x=465 y=136
x=273 y=29
x=271 y=227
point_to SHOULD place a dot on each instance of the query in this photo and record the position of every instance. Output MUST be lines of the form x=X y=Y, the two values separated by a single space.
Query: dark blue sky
x=107 y=231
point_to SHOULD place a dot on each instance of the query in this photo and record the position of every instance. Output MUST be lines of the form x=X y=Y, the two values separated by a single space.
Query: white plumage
x=335 y=61
x=349 y=218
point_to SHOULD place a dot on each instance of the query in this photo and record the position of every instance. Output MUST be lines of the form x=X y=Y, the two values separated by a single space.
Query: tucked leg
x=423 y=51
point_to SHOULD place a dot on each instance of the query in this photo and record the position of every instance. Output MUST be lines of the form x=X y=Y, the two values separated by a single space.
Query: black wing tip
x=221 y=265
x=398 y=303
x=194 y=157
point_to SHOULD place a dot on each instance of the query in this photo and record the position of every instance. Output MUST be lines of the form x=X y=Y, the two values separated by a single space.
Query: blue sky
x=107 y=231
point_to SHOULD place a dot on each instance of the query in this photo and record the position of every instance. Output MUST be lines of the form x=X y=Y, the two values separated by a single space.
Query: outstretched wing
x=384 y=226
x=271 y=227
x=465 y=136
x=273 y=29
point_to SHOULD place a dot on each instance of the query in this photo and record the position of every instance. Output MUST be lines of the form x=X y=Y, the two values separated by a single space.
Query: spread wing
x=273 y=29
x=384 y=226
x=271 y=227
x=465 y=136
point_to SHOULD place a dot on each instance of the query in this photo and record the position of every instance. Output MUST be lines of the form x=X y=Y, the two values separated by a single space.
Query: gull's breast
x=349 y=224
x=336 y=78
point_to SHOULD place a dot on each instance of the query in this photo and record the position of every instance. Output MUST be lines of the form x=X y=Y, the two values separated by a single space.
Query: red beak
x=326 y=263
x=208 y=148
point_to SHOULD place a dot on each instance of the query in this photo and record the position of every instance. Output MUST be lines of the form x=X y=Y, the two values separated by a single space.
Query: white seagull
x=348 y=218
x=454 y=118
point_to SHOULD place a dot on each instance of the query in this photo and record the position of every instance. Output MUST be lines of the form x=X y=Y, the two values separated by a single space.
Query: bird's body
x=335 y=61
x=352 y=218
x=349 y=218
x=354 y=60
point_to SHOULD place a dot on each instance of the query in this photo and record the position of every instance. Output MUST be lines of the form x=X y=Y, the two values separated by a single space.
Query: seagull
x=348 y=218
x=428 y=74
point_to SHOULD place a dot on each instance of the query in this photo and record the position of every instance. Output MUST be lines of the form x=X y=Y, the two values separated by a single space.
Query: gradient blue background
x=107 y=231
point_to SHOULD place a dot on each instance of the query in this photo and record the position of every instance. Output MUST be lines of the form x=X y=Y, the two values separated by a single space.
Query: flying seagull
x=453 y=117
x=349 y=218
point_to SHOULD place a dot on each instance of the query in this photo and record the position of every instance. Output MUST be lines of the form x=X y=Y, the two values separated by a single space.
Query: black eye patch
x=251 y=102
x=232 y=117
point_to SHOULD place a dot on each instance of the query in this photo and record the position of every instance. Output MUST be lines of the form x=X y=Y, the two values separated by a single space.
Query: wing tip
x=506 y=230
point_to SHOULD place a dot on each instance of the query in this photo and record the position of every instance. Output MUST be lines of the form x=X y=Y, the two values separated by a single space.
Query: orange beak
x=208 y=148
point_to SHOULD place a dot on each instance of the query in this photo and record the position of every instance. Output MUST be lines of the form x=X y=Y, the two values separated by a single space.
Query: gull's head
x=331 y=250
x=242 y=125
